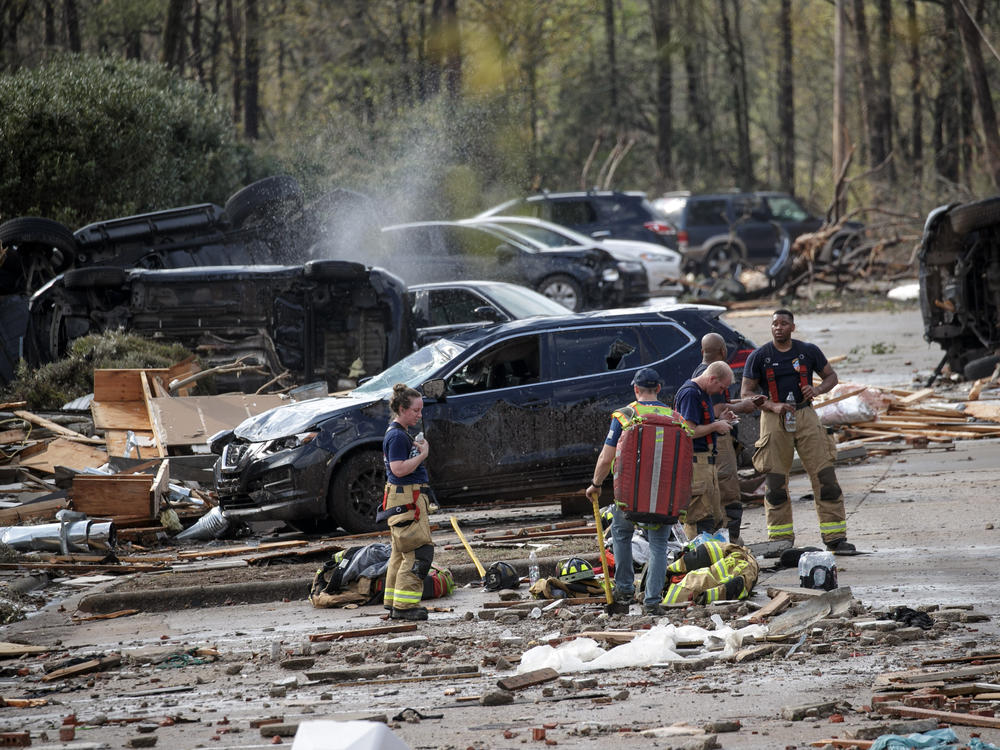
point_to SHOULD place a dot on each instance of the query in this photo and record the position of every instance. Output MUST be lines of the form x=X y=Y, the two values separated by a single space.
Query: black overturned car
x=960 y=285
x=514 y=410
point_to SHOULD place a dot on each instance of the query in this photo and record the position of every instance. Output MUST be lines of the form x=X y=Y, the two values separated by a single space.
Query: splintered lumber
x=916 y=397
x=9 y=437
x=947 y=717
x=29 y=511
x=835 y=742
x=893 y=680
x=362 y=632
x=777 y=605
x=9 y=650
x=230 y=551
x=958 y=659
x=988 y=410
x=528 y=679
x=108 y=616
x=109 y=568
x=94 y=665
x=51 y=426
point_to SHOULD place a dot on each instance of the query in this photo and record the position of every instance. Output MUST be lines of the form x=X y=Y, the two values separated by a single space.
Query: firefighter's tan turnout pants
x=729 y=485
x=704 y=512
x=773 y=458
x=412 y=547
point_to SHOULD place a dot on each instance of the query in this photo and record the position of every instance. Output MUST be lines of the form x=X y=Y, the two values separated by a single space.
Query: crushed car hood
x=298 y=417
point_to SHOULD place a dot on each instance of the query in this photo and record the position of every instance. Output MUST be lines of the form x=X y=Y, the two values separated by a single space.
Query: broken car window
x=511 y=363
x=596 y=350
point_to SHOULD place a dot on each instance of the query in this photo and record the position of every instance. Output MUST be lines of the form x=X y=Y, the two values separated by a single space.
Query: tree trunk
x=874 y=151
x=884 y=115
x=661 y=10
x=733 y=41
x=251 y=104
x=980 y=86
x=945 y=133
x=197 y=53
x=786 y=101
x=453 y=51
x=235 y=59
x=703 y=158
x=916 y=95
x=173 y=32
x=609 y=35
x=435 y=51
x=50 y=24
x=839 y=118
x=72 y=16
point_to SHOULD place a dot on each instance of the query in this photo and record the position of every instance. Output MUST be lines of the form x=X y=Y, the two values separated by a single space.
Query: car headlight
x=289 y=442
x=664 y=257
x=610 y=274
x=630 y=266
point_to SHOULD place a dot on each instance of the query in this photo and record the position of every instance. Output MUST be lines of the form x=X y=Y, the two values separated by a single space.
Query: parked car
x=663 y=265
x=577 y=278
x=449 y=307
x=597 y=213
x=313 y=321
x=719 y=232
x=513 y=410
x=960 y=285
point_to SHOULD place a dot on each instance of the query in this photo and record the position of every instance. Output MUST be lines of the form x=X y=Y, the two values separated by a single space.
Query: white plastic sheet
x=324 y=734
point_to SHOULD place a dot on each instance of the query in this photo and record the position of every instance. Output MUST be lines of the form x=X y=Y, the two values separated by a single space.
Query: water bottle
x=419 y=438
x=790 y=415
x=533 y=574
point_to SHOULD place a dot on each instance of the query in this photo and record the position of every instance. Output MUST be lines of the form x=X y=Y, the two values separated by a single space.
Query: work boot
x=842 y=547
x=624 y=597
x=655 y=610
x=413 y=613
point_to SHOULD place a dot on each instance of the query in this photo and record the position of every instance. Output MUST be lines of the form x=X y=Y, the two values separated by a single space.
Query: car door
x=754 y=227
x=489 y=434
x=443 y=312
x=591 y=370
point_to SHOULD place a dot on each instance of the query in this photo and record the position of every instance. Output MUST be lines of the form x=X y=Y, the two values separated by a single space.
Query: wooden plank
x=94 y=665
x=777 y=605
x=58 y=429
x=9 y=650
x=841 y=397
x=147 y=397
x=115 y=495
x=42 y=509
x=109 y=568
x=835 y=742
x=959 y=659
x=227 y=551
x=9 y=437
x=916 y=397
x=362 y=632
x=121 y=385
x=528 y=679
x=13 y=405
x=988 y=410
x=119 y=415
x=68 y=453
x=108 y=616
x=947 y=717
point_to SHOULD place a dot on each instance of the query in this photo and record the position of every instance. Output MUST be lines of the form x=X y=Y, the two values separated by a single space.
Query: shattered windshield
x=412 y=370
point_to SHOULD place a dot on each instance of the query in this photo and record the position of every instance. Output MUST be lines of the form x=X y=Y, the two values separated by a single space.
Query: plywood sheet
x=192 y=420
x=115 y=441
x=69 y=453
x=989 y=410
x=119 y=415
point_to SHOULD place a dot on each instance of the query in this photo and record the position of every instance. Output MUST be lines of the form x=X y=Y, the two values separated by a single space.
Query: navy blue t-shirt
x=691 y=402
x=718 y=398
x=397 y=445
x=785 y=364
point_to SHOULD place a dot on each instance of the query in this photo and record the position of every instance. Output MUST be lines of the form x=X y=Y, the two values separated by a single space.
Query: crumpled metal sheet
x=66 y=536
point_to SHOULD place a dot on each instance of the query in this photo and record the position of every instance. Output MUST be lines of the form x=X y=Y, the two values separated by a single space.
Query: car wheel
x=981 y=368
x=335 y=270
x=101 y=277
x=721 y=260
x=971 y=216
x=44 y=248
x=563 y=289
x=268 y=199
x=837 y=248
x=356 y=492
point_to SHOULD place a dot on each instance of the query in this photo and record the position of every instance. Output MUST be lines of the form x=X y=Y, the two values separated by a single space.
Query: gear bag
x=352 y=576
x=653 y=466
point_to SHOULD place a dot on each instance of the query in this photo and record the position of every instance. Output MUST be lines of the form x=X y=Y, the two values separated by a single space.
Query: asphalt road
x=925 y=518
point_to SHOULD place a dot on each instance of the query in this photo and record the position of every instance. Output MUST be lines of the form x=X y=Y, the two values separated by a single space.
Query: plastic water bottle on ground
x=533 y=574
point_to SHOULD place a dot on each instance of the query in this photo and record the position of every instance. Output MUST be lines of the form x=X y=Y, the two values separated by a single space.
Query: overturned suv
x=511 y=411
x=960 y=285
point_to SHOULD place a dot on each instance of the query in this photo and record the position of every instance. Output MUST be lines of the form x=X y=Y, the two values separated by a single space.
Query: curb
x=253 y=592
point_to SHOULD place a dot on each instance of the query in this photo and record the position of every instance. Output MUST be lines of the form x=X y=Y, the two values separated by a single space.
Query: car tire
x=45 y=248
x=94 y=277
x=837 y=248
x=722 y=261
x=268 y=199
x=335 y=270
x=972 y=216
x=356 y=492
x=564 y=289
x=981 y=368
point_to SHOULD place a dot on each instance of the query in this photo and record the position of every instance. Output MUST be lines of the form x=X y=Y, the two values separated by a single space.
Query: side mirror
x=434 y=388
x=220 y=440
x=488 y=312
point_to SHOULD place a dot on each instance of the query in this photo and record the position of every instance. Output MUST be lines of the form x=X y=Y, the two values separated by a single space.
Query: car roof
x=630 y=315
x=466 y=284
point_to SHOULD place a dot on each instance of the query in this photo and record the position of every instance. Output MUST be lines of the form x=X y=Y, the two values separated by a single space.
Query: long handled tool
x=461 y=536
x=613 y=607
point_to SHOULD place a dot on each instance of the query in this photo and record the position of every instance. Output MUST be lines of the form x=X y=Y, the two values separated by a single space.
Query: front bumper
x=287 y=485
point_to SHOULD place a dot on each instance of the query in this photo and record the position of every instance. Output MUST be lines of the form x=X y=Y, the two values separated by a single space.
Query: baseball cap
x=647 y=377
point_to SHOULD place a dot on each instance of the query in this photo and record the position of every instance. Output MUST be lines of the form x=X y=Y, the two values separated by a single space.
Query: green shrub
x=52 y=385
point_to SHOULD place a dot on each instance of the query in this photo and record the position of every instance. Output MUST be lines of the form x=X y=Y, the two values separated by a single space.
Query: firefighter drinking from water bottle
x=784 y=367
x=646 y=386
x=693 y=401
x=405 y=507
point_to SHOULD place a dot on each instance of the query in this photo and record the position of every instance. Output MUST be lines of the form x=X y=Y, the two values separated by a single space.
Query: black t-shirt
x=785 y=365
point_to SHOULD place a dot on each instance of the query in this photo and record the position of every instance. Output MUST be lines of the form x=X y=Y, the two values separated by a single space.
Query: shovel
x=613 y=607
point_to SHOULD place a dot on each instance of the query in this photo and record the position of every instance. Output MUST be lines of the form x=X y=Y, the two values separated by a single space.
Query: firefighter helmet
x=501 y=575
x=575 y=569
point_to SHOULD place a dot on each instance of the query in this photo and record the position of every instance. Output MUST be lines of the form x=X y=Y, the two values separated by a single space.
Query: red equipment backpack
x=653 y=466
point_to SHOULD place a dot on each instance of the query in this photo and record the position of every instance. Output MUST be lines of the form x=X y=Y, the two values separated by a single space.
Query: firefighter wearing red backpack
x=646 y=385
x=788 y=423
